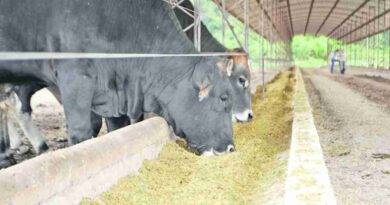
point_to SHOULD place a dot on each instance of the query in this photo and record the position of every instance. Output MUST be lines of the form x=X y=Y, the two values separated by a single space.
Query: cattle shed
x=316 y=164
x=347 y=21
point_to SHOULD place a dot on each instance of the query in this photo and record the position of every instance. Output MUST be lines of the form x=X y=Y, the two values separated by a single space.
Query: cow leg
x=96 y=121
x=15 y=139
x=115 y=123
x=22 y=114
x=76 y=93
x=5 y=158
x=4 y=137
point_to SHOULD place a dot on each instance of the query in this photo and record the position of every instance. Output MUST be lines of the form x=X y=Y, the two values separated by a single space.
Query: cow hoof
x=76 y=140
x=6 y=162
x=43 y=147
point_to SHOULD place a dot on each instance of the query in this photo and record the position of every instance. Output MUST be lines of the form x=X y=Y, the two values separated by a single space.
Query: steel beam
x=368 y=22
x=197 y=25
x=223 y=21
x=384 y=47
x=327 y=16
x=349 y=16
x=289 y=15
x=262 y=50
x=234 y=5
x=267 y=15
x=246 y=26
x=308 y=16
x=230 y=26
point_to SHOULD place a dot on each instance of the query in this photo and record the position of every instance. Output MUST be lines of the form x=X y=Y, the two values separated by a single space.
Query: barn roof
x=349 y=20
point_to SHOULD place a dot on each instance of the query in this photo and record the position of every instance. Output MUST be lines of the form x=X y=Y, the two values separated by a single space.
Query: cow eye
x=242 y=81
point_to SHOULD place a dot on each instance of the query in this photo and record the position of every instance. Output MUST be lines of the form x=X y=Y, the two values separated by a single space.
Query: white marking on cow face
x=204 y=91
x=245 y=116
x=243 y=81
x=212 y=152
x=208 y=153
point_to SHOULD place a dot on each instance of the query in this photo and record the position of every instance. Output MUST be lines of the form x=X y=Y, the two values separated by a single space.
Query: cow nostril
x=231 y=148
x=250 y=116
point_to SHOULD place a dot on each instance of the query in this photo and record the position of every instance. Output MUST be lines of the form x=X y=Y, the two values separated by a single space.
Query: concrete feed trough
x=307 y=178
x=84 y=170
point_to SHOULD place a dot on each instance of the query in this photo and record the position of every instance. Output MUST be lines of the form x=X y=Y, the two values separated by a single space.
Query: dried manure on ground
x=179 y=176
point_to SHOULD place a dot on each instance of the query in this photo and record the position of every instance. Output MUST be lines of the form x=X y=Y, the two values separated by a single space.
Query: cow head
x=239 y=76
x=200 y=106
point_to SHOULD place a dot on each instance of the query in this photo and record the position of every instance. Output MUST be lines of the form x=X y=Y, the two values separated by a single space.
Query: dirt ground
x=353 y=122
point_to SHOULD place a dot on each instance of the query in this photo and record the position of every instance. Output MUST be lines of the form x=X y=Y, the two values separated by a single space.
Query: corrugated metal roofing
x=349 y=20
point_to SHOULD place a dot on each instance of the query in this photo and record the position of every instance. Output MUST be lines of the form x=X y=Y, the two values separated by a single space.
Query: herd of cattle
x=199 y=97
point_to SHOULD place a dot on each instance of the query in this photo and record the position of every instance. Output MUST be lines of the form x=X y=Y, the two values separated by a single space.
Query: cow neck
x=173 y=72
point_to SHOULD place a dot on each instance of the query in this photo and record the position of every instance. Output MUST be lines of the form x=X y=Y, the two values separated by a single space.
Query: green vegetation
x=372 y=52
x=310 y=51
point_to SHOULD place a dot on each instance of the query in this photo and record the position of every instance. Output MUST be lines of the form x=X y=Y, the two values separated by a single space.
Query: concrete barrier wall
x=85 y=170
x=307 y=178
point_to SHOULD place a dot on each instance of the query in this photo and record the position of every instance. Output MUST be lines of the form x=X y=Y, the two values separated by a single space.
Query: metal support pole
x=277 y=53
x=262 y=49
x=354 y=46
x=223 y=21
x=327 y=51
x=383 y=36
x=361 y=42
x=348 y=40
x=350 y=45
x=230 y=26
x=269 y=39
x=197 y=25
x=377 y=37
x=267 y=33
x=375 y=42
x=367 y=41
x=387 y=48
x=246 y=29
x=369 y=33
x=347 y=45
x=272 y=34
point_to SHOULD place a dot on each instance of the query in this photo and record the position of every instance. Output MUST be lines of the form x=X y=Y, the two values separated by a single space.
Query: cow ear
x=201 y=80
x=230 y=67
x=226 y=66
x=241 y=60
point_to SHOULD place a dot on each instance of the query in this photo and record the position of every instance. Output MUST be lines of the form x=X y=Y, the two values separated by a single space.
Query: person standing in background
x=333 y=59
x=343 y=58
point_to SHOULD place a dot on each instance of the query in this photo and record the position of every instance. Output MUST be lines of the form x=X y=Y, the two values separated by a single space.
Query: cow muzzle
x=242 y=117
x=213 y=152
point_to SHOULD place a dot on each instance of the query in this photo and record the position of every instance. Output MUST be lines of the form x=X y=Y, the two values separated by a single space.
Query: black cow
x=193 y=94
x=239 y=75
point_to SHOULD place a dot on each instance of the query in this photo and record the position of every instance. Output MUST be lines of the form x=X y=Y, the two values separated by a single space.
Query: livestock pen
x=292 y=152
